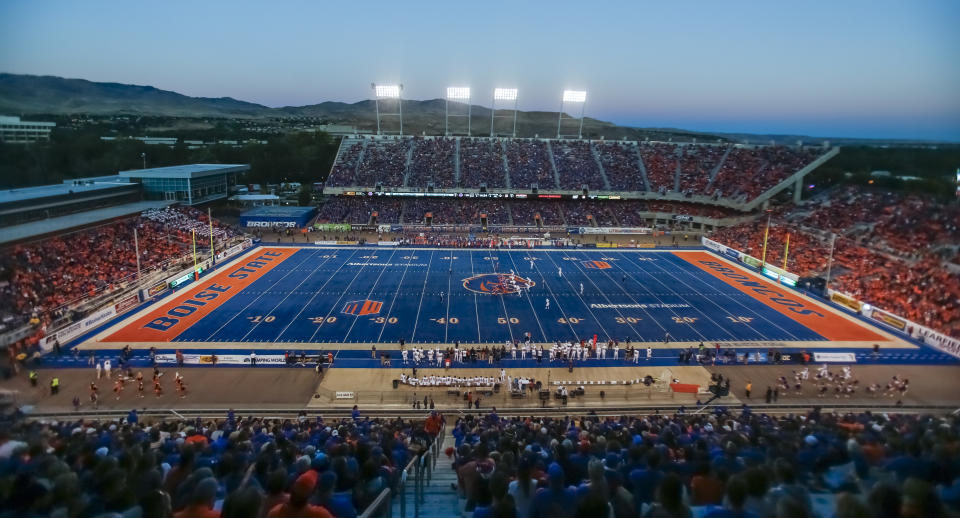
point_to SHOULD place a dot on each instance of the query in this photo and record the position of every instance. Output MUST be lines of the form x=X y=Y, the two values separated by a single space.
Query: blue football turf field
x=383 y=295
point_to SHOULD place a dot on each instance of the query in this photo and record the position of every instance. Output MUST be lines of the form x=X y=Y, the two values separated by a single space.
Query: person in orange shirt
x=201 y=503
x=298 y=506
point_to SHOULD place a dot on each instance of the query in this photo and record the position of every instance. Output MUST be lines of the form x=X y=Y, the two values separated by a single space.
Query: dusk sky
x=845 y=69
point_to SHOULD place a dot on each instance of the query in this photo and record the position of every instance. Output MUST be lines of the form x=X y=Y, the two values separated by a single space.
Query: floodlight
x=458 y=92
x=387 y=91
x=574 y=96
x=505 y=94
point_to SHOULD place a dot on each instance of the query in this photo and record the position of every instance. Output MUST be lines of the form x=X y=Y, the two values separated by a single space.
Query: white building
x=15 y=131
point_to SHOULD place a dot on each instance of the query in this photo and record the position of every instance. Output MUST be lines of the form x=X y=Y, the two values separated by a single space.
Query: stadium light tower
x=572 y=97
x=457 y=94
x=505 y=96
x=390 y=92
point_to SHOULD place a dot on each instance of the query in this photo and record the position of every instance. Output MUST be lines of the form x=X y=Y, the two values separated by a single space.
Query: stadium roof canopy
x=47 y=191
x=185 y=171
x=36 y=229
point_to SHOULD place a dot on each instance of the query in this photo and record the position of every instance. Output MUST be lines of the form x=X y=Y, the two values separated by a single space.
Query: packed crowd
x=233 y=467
x=482 y=162
x=621 y=164
x=40 y=278
x=748 y=172
x=577 y=165
x=525 y=213
x=691 y=169
x=432 y=162
x=358 y=210
x=882 y=254
x=718 y=465
x=383 y=162
x=529 y=163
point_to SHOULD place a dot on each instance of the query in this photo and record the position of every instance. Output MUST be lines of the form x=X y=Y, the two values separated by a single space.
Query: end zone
x=816 y=317
x=165 y=322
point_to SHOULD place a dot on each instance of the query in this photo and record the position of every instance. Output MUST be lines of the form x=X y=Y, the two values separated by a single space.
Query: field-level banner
x=818 y=319
x=165 y=322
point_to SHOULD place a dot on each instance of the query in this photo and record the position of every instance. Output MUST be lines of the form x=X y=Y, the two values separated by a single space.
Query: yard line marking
x=394 y=300
x=650 y=292
x=698 y=310
x=530 y=301
x=476 y=305
x=503 y=303
x=342 y=294
x=543 y=278
x=291 y=292
x=373 y=287
x=255 y=299
x=817 y=317
x=585 y=305
x=446 y=327
x=315 y=293
x=423 y=292
x=730 y=297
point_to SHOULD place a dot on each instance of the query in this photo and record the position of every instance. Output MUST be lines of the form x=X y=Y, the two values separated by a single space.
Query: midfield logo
x=497 y=283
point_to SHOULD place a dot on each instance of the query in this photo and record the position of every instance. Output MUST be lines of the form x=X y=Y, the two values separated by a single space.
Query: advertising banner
x=845 y=301
x=127 y=303
x=834 y=357
x=78 y=328
x=388 y=243
x=157 y=289
x=888 y=318
x=222 y=359
x=712 y=245
x=750 y=261
x=940 y=341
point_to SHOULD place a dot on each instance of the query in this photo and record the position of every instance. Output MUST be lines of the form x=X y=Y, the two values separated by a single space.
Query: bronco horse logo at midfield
x=497 y=283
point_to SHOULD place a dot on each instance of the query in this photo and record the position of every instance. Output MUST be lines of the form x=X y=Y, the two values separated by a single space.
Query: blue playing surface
x=383 y=295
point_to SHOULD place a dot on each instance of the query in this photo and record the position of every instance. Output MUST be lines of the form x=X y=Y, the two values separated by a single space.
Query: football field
x=363 y=295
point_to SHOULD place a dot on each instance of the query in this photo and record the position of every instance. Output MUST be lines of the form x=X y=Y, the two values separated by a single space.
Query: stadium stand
x=432 y=162
x=46 y=276
x=621 y=164
x=482 y=162
x=883 y=255
x=227 y=467
x=734 y=173
x=577 y=165
x=529 y=164
x=716 y=465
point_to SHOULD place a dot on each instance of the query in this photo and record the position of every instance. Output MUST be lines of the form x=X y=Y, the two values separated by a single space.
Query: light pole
x=503 y=94
x=572 y=97
x=457 y=94
x=391 y=91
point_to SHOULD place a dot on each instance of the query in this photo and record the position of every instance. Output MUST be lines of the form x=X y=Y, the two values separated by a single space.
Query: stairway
x=439 y=500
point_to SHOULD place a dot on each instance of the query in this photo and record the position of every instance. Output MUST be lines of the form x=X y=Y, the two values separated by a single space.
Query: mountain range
x=37 y=95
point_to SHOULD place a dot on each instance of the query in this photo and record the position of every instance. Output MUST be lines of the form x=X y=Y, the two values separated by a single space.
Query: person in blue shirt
x=736 y=498
x=555 y=500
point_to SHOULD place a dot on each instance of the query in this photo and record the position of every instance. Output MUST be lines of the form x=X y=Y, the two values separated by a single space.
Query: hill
x=27 y=94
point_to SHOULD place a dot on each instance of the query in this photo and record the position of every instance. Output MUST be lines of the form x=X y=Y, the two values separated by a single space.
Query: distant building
x=15 y=131
x=189 y=184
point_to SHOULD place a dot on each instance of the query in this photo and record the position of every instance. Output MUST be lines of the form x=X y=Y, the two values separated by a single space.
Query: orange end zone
x=165 y=322
x=823 y=322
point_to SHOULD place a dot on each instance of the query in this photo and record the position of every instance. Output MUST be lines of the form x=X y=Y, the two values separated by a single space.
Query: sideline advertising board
x=78 y=328
x=845 y=301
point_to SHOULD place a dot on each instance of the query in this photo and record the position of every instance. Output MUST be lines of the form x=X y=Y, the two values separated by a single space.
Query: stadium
x=443 y=309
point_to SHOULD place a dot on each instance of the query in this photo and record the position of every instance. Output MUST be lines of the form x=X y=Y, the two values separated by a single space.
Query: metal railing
x=380 y=506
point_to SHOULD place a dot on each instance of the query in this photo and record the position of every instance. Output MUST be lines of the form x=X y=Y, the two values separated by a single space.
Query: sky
x=849 y=68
